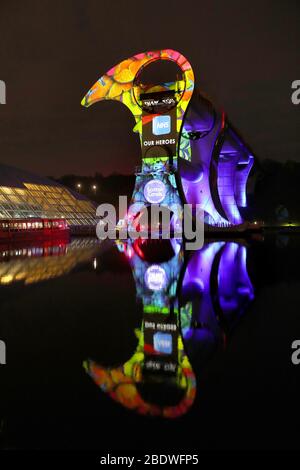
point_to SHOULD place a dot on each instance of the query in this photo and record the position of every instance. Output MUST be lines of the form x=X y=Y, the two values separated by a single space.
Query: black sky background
x=245 y=56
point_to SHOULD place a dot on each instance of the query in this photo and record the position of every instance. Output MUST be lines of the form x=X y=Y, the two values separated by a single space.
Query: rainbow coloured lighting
x=187 y=146
x=189 y=309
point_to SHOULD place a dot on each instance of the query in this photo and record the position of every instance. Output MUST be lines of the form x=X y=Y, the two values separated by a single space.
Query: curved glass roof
x=24 y=195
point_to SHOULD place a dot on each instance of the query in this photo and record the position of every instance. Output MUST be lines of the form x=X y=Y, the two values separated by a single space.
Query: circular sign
x=155 y=277
x=155 y=191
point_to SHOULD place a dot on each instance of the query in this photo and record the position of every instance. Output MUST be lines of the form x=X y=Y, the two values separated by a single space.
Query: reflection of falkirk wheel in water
x=188 y=308
x=175 y=121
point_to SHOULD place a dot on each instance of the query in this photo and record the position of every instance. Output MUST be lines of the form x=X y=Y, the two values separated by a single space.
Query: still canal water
x=136 y=345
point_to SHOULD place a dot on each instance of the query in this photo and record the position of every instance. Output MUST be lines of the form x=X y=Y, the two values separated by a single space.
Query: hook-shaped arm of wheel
x=120 y=81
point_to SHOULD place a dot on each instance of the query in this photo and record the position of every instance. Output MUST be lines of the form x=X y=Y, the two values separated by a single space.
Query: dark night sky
x=245 y=56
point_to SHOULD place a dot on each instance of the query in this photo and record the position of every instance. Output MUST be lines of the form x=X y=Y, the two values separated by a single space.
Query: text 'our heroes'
x=150 y=143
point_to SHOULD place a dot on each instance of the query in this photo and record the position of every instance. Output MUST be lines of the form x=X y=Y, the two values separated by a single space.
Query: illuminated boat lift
x=190 y=151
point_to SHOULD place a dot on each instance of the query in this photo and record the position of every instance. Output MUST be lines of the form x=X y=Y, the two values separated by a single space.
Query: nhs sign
x=161 y=125
x=162 y=343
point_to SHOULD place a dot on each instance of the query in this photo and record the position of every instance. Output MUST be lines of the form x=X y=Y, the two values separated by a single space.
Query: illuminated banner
x=155 y=278
x=155 y=191
x=159 y=135
x=160 y=344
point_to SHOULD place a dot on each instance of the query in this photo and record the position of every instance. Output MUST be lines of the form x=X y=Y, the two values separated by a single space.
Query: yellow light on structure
x=78 y=185
x=94 y=187
x=6 y=279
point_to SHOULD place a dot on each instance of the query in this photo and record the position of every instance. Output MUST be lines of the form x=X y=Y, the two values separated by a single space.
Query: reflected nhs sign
x=2 y=92
x=161 y=125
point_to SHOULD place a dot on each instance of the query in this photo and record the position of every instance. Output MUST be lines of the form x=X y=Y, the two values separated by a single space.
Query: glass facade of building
x=42 y=262
x=24 y=196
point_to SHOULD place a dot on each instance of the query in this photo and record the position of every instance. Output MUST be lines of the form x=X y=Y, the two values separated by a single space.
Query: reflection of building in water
x=215 y=292
x=188 y=309
x=159 y=361
x=44 y=261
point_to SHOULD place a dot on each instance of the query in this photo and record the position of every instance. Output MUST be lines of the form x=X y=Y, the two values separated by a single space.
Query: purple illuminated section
x=234 y=165
x=200 y=191
x=241 y=178
x=196 y=287
x=235 y=290
x=226 y=185
x=216 y=176
x=217 y=284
